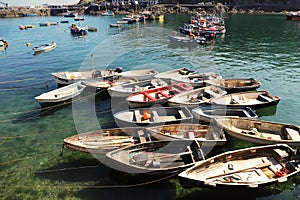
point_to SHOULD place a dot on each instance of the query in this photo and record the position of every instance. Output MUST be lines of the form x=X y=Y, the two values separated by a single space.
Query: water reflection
x=268 y=111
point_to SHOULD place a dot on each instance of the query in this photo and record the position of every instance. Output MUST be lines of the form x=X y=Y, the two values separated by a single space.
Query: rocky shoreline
x=95 y=9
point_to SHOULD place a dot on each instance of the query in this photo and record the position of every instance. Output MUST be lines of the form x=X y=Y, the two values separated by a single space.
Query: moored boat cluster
x=175 y=119
x=201 y=28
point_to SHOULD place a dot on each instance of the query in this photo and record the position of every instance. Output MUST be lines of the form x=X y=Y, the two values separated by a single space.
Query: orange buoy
x=146 y=115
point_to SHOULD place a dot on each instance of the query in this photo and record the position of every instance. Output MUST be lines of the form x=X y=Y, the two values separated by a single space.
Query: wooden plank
x=235 y=100
x=138 y=116
x=163 y=94
x=156 y=156
x=227 y=172
x=167 y=118
x=148 y=96
x=246 y=113
x=155 y=116
x=181 y=114
x=265 y=97
x=292 y=134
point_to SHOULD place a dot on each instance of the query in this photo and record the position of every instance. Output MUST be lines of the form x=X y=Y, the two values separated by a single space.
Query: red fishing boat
x=158 y=95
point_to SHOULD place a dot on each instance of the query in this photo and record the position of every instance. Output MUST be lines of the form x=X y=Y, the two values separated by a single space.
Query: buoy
x=146 y=115
x=28 y=44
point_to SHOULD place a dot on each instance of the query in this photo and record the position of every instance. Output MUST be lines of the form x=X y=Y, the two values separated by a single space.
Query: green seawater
x=33 y=164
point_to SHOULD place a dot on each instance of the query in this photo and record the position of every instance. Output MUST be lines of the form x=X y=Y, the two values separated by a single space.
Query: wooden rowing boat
x=196 y=80
x=105 y=84
x=187 y=40
x=69 y=77
x=125 y=90
x=168 y=75
x=207 y=113
x=61 y=94
x=140 y=74
x=196 y=97
x=234 y=85
x=260 y=131
x=159 y=95
x=244 y=168
x=155 y=158
x=253 y=99
x=105 y=140
x=153 y=116
x=186 y=131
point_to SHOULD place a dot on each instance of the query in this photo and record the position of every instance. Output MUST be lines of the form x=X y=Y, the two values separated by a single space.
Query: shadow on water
x=79 y=170
x=100 y=97
x=265 y=192
x=52 y=109
x=109 y=183
x=163 y=190
x=43 y=111
x=112 y=184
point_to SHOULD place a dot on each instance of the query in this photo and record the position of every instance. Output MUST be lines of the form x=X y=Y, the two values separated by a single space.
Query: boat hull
x=125 y=90
x=102 y=141
x=261 y=132
x=249 y=168
x=140 y=75
x=157 y=96
x=66 y=78
x=159 y=116
x=61 y=95
x=234 y=85
x=252 y=99
x=187 y=40
x=209 y=113
x=196 y=97
x=44 y=48
x=153 y=158
x=209 y=135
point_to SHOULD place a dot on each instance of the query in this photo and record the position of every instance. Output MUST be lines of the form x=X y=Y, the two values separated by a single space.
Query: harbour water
x=264 y=47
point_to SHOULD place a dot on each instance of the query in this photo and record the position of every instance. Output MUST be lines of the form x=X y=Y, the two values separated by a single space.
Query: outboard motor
x=118 y=69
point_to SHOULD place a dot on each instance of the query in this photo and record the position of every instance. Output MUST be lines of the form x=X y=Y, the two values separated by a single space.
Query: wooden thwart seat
x=292 y=134
x=155 y=116
x=138 y=116
x=209 y=92
x=181 y=114
x=246 y=113
x=236 y=100
x=265 y=97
